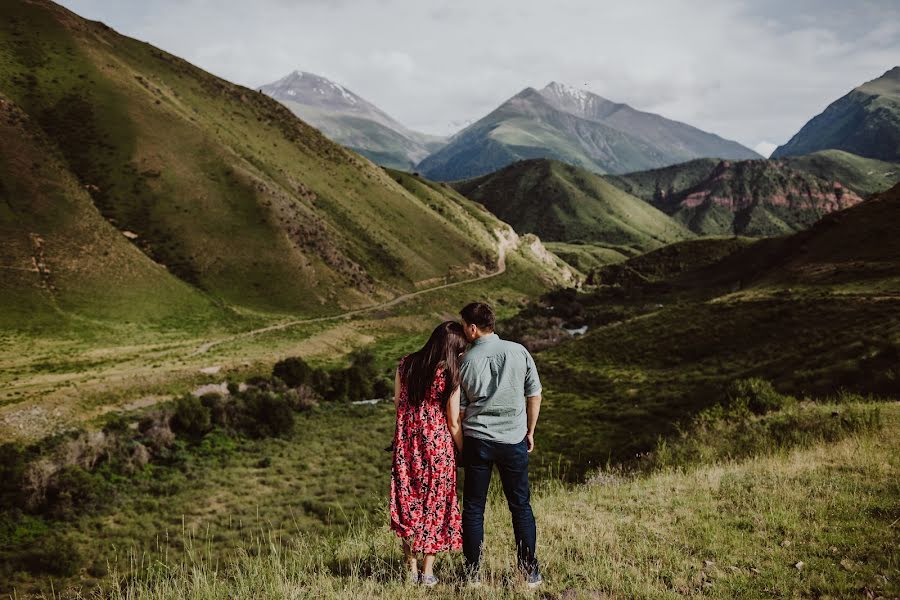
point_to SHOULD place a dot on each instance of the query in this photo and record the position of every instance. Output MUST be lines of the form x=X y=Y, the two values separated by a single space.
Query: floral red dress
x=424 y=508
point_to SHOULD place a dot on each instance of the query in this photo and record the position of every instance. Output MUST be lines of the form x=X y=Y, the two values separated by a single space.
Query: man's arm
x=532 y=409
x=532 y=398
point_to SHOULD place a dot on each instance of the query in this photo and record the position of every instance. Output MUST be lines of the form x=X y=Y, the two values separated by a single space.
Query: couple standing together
x=483 y=404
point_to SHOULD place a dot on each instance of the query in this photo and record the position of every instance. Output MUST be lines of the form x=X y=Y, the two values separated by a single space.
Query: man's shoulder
x=510 y=347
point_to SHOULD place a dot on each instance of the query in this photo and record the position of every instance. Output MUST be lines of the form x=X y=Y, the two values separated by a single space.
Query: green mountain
x=856 y=249
x=865 y=176
x=865 y=122
x=139 y=188
x=754 y=197
x=575 y=127
x=352 y=121
x=563 y=203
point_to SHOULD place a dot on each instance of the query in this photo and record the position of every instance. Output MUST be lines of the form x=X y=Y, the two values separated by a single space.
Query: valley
x=205 y=289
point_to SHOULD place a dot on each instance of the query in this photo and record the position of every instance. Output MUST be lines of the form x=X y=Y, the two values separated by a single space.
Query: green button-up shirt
x=495 y=378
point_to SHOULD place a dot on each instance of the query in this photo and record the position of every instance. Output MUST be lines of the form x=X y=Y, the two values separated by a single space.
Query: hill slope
x=352 y=121
x=575 y=127
x=755 y=198
x=563 y=203
x=865 y=122
x=215 y=185
x=856 y=249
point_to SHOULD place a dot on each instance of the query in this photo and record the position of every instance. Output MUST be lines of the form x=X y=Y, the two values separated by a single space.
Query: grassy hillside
x=214 y=184
x=754 y=198
x=815 y=521
x=865 y=122
x=562 y=203
x=865 y=176
x=814 y=313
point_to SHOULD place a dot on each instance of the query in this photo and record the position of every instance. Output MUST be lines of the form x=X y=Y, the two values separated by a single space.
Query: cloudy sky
x=753 y=71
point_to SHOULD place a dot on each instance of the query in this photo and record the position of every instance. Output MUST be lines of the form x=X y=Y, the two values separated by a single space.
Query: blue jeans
x=479 y=458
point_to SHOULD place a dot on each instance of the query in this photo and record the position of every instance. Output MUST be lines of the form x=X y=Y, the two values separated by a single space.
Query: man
x=500 y=402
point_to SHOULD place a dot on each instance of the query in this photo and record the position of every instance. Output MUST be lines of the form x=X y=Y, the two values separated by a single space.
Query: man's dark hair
x=479 y=314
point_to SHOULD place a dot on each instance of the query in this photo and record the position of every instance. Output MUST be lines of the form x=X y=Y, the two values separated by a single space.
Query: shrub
x=12 y=471
x=264 y=414
x=218 y=408
x=293 y=371
x=757 y=395
x=191 y=417
x=74 y=491
x=302 y=398
x=156 y=432
x=383 y=388
x=54 y=554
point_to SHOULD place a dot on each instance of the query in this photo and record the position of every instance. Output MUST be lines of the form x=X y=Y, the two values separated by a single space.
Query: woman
x=424 y=509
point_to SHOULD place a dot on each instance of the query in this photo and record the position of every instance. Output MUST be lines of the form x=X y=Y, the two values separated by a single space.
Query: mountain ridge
x=865 y=121
x=562 y=203
x=350 y=120
x=574 y=126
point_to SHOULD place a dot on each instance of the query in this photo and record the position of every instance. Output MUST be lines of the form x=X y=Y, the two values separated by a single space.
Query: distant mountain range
x=352 y=121
x=563 y=203
x=751 y=197
x=575 y=127
x=865 y=122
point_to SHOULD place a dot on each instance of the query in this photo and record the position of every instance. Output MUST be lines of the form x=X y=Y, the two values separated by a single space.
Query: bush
x=191 y=417
x=218 y=408
x=264 y=414
x=383 y=388
x=293 y=371
x=73 y=492
x=54 y=555
x=757 y=395
x=12 y=470
x=302 y=398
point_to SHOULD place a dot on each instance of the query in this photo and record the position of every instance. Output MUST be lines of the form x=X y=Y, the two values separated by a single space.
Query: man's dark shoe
x=533 y=579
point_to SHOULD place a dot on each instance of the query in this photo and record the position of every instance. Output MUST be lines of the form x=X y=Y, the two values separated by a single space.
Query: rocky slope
x=754 y=197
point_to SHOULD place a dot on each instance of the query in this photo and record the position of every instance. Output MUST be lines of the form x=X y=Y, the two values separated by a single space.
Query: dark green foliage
x=293 y=371
x=53 y=554
x=191 y=417
x=263 y=414
x=217 y=407
x=382 y=388
x=356 y=382
x=13 y=461
x=756 y=394
x=74 y=491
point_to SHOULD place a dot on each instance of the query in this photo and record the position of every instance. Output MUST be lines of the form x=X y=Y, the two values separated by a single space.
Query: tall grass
x=813 y=522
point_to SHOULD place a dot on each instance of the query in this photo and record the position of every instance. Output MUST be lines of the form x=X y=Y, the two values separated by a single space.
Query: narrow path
x=503 y=245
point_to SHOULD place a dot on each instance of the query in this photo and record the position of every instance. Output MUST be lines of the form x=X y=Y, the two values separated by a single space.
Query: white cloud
x=765 y=148
x=747 y=71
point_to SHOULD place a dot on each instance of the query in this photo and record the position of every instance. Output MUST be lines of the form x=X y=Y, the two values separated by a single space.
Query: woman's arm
x=397 y=389
x=454 y=423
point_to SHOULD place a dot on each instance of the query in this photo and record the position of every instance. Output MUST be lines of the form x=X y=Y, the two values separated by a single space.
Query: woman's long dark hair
x=442 y=349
